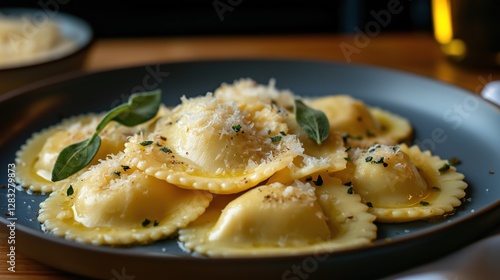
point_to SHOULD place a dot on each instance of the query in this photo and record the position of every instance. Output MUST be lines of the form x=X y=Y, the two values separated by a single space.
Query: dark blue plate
x=449 y=121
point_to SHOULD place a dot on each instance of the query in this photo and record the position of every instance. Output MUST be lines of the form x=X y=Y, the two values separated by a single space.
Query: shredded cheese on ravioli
x=276 y=191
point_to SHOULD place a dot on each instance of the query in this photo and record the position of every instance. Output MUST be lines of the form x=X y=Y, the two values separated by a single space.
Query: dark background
x=232 y=17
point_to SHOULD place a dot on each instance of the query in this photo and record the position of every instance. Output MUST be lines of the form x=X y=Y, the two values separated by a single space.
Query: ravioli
x=115 y=204
x=210 y=144
x=330 y=156
x=248 y=93
x=405 y=184
x=392 y=126
x=36 y=158
x=278 y=219
x=359 y=124
x=275 y=191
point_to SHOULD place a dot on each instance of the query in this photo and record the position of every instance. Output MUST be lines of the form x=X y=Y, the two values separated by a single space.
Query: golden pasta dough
x=404 y=184
x=113 y=203
x=361 y=125
x=276 y=189
x=210 y=144
x=282 y=219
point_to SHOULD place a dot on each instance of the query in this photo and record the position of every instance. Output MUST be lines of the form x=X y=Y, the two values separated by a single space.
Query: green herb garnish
x=117 y=173
x=276 y=138
x=165 y=150
x=139 y=109
x=444 y=168
x=374 y=148
x=236 y=128
x=314 y=122
x=350 y=190
x=146 y=143
x=70 y=190
x=424 y=203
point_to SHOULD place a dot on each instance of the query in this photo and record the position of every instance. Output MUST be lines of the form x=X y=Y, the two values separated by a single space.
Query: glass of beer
x=468 y=31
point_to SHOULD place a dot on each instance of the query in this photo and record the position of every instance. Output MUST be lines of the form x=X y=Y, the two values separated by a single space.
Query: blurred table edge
x=416 y=53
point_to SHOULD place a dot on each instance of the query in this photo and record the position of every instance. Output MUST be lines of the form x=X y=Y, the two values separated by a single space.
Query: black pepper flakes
x=319 y=181
x=146 y=222
x=125 y=167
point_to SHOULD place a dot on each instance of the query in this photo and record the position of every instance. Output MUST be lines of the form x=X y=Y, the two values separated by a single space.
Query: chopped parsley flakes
x=236 y=128
x=276 y=138
x=165 y=150
x=444 y=168
x=70 y=190
x=146 y=143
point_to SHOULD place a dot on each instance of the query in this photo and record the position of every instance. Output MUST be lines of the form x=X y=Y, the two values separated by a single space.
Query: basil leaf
x=313 y=122
x=75 y=157
x=140 y=108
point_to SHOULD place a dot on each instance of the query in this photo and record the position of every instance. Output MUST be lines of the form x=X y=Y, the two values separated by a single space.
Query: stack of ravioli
x=232 y=173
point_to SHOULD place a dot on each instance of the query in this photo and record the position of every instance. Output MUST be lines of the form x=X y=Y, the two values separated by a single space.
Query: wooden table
x=417 y=53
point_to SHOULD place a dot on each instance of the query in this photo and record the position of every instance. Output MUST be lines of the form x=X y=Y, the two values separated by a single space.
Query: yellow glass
x=468 y=30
